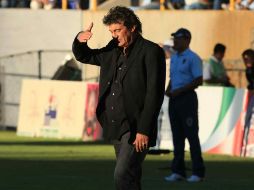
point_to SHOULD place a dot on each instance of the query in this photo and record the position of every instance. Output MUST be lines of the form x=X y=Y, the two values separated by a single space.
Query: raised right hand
x=84 y=36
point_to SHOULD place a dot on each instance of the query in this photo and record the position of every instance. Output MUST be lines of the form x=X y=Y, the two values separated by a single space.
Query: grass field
x=48 y=164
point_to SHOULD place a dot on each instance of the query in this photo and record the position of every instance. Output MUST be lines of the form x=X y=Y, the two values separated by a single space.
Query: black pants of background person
x=247 y=124
x=128 y=170
x=183 y=114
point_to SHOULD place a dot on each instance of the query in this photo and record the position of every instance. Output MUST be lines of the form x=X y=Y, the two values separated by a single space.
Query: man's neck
x=182 y=50
x=133 y=38
x=216 y=57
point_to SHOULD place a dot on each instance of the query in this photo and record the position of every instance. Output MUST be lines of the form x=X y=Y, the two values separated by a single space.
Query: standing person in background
x=131 y=91
x=177 y=4
x=12 y=3
x=248 y=59
x=45 y=4
x=244 y=4
x=185 y=77
x=199 y=4
x=215 y=70
x=15 y=3
x=218 y=4
x=84 y=4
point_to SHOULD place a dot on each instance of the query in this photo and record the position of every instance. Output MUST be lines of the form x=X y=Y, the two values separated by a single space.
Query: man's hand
x=85 y=35
x=141 y=142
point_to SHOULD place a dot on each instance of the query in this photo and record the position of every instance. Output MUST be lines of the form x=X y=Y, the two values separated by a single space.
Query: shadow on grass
x=98 y=174
x=57 y=175
x=53 y=143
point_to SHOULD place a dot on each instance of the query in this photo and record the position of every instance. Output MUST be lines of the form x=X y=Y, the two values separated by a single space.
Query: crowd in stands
x=214 y=70
x=139 y=4
x=203 y=4
x=46 y=4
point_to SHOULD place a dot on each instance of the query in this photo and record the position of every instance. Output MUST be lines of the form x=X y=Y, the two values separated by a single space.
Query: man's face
x=180 y=43
x=248 y=61
x=220 y=55
x=122 y=34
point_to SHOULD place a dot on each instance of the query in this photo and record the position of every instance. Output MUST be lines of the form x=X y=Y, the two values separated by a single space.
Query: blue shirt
x=184 y=68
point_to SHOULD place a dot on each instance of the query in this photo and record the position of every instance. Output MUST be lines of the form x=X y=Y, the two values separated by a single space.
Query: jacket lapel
x=111 y=72
x=133 y=54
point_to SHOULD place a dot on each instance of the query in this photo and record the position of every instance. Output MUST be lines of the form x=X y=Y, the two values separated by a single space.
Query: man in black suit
x=131 y=91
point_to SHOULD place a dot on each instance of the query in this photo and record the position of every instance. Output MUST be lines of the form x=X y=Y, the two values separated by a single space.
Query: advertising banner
x=92 y=129
x=58 y=109
x=221 y=121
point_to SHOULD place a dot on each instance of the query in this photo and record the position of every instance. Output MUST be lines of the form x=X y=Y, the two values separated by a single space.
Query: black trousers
x=183 y=114
x=128 y=170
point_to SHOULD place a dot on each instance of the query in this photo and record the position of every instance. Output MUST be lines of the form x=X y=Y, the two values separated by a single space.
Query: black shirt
x=115 y=112
x=250 y=77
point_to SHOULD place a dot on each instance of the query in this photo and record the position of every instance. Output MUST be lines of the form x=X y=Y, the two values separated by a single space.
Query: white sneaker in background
x=195 y=178
x=174 y=177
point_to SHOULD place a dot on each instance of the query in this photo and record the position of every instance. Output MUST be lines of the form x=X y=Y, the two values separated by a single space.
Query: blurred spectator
x=45 y=4
x=167 y=46
x=50 y=4
x=245 y=4
x=73 y=4
x=151 y=4
x=12 y=3
x=84 y=4
x=176 y=4
x=4 y=3
x=15 y=3
x=199 y=4
x=24 y=3
x=248 y=59
x=169 y=51
x=214 y=72
x=219 y=4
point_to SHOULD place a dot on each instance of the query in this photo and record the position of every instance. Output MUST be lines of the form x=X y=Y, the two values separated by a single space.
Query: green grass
x=48 y=164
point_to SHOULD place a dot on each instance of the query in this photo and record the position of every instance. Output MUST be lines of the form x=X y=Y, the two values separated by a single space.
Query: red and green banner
x=222 y=128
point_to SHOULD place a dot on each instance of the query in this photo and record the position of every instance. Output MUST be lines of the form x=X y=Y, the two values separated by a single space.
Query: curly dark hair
x=249 y=53
x=219 y=48
x=121 y=14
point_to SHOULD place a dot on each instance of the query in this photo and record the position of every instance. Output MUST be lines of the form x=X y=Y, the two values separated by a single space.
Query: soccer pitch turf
x=49 y=164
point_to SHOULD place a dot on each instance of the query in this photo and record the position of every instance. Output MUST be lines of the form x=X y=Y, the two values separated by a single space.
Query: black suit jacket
x=143 y=82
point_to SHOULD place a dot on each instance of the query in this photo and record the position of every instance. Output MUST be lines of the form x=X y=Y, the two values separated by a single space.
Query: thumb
x=90 y=27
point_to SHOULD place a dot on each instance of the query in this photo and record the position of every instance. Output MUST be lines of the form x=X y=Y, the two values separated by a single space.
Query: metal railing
x=40 y=64
x=38 y=54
